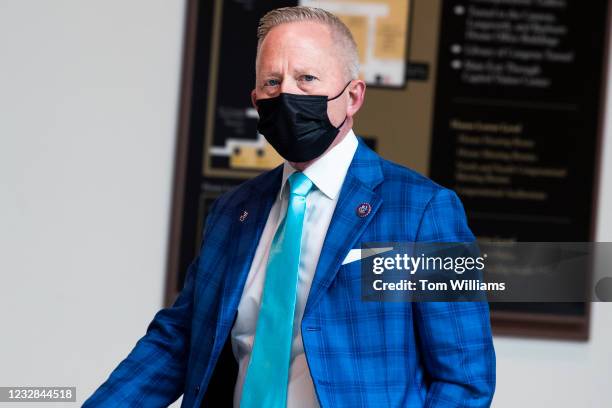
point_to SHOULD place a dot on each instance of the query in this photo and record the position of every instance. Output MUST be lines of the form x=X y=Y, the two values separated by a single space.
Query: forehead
x=295 y=45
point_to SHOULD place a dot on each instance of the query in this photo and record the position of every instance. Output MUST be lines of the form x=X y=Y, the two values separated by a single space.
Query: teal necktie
x=265 y=385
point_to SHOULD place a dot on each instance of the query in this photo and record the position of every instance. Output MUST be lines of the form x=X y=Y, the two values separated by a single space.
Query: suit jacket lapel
x=363 y=175
x=250 y=214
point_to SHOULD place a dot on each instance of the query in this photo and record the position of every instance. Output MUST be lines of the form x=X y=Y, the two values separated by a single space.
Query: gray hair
x=341 y=33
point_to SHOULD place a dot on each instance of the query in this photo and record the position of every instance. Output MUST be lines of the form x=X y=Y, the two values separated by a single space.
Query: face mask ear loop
x=341 y=92
x=336 y=97
x=345 y=118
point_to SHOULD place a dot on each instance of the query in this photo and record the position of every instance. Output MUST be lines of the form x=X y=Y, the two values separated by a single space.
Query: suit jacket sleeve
x=455 y=337
x=153 y=374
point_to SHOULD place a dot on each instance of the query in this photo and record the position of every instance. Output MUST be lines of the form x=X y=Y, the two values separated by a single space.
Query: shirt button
x=197 y=389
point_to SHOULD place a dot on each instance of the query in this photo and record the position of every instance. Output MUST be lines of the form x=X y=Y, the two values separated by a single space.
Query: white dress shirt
x=327 y=174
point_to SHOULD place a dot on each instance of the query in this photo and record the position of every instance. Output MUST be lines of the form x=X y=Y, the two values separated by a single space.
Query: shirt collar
x=328 y=172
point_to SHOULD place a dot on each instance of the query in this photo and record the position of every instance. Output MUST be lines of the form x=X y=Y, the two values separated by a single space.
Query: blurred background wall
x=88 y=110
x=88 y=104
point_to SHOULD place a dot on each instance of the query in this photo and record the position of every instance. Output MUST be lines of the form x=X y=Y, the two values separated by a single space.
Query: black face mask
x=297 y=126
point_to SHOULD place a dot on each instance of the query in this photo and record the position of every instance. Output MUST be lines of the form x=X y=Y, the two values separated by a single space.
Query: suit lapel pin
x=243 y=215
x=363 y=209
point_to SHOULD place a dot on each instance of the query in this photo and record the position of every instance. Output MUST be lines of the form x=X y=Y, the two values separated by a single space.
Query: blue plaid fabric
x=360 y=354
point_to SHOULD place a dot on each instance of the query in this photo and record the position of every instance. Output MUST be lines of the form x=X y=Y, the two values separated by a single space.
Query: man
x=269 y=316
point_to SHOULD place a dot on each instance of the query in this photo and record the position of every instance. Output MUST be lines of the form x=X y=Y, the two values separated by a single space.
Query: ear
x=254 y=98
x=356 y=97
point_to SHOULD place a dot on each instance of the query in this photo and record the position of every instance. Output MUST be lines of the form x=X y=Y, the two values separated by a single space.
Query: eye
x=271 y=82
x=308 y=78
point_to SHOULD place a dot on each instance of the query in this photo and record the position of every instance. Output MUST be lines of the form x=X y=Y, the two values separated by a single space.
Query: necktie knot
x=299 y=184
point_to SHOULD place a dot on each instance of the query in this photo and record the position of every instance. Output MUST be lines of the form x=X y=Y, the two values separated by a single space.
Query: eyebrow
x=297 y=71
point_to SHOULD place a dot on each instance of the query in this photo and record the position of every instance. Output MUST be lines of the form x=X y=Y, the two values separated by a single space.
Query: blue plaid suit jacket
x=360 y=354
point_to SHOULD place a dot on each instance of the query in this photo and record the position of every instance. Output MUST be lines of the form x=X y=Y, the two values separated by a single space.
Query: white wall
x=88 y=102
